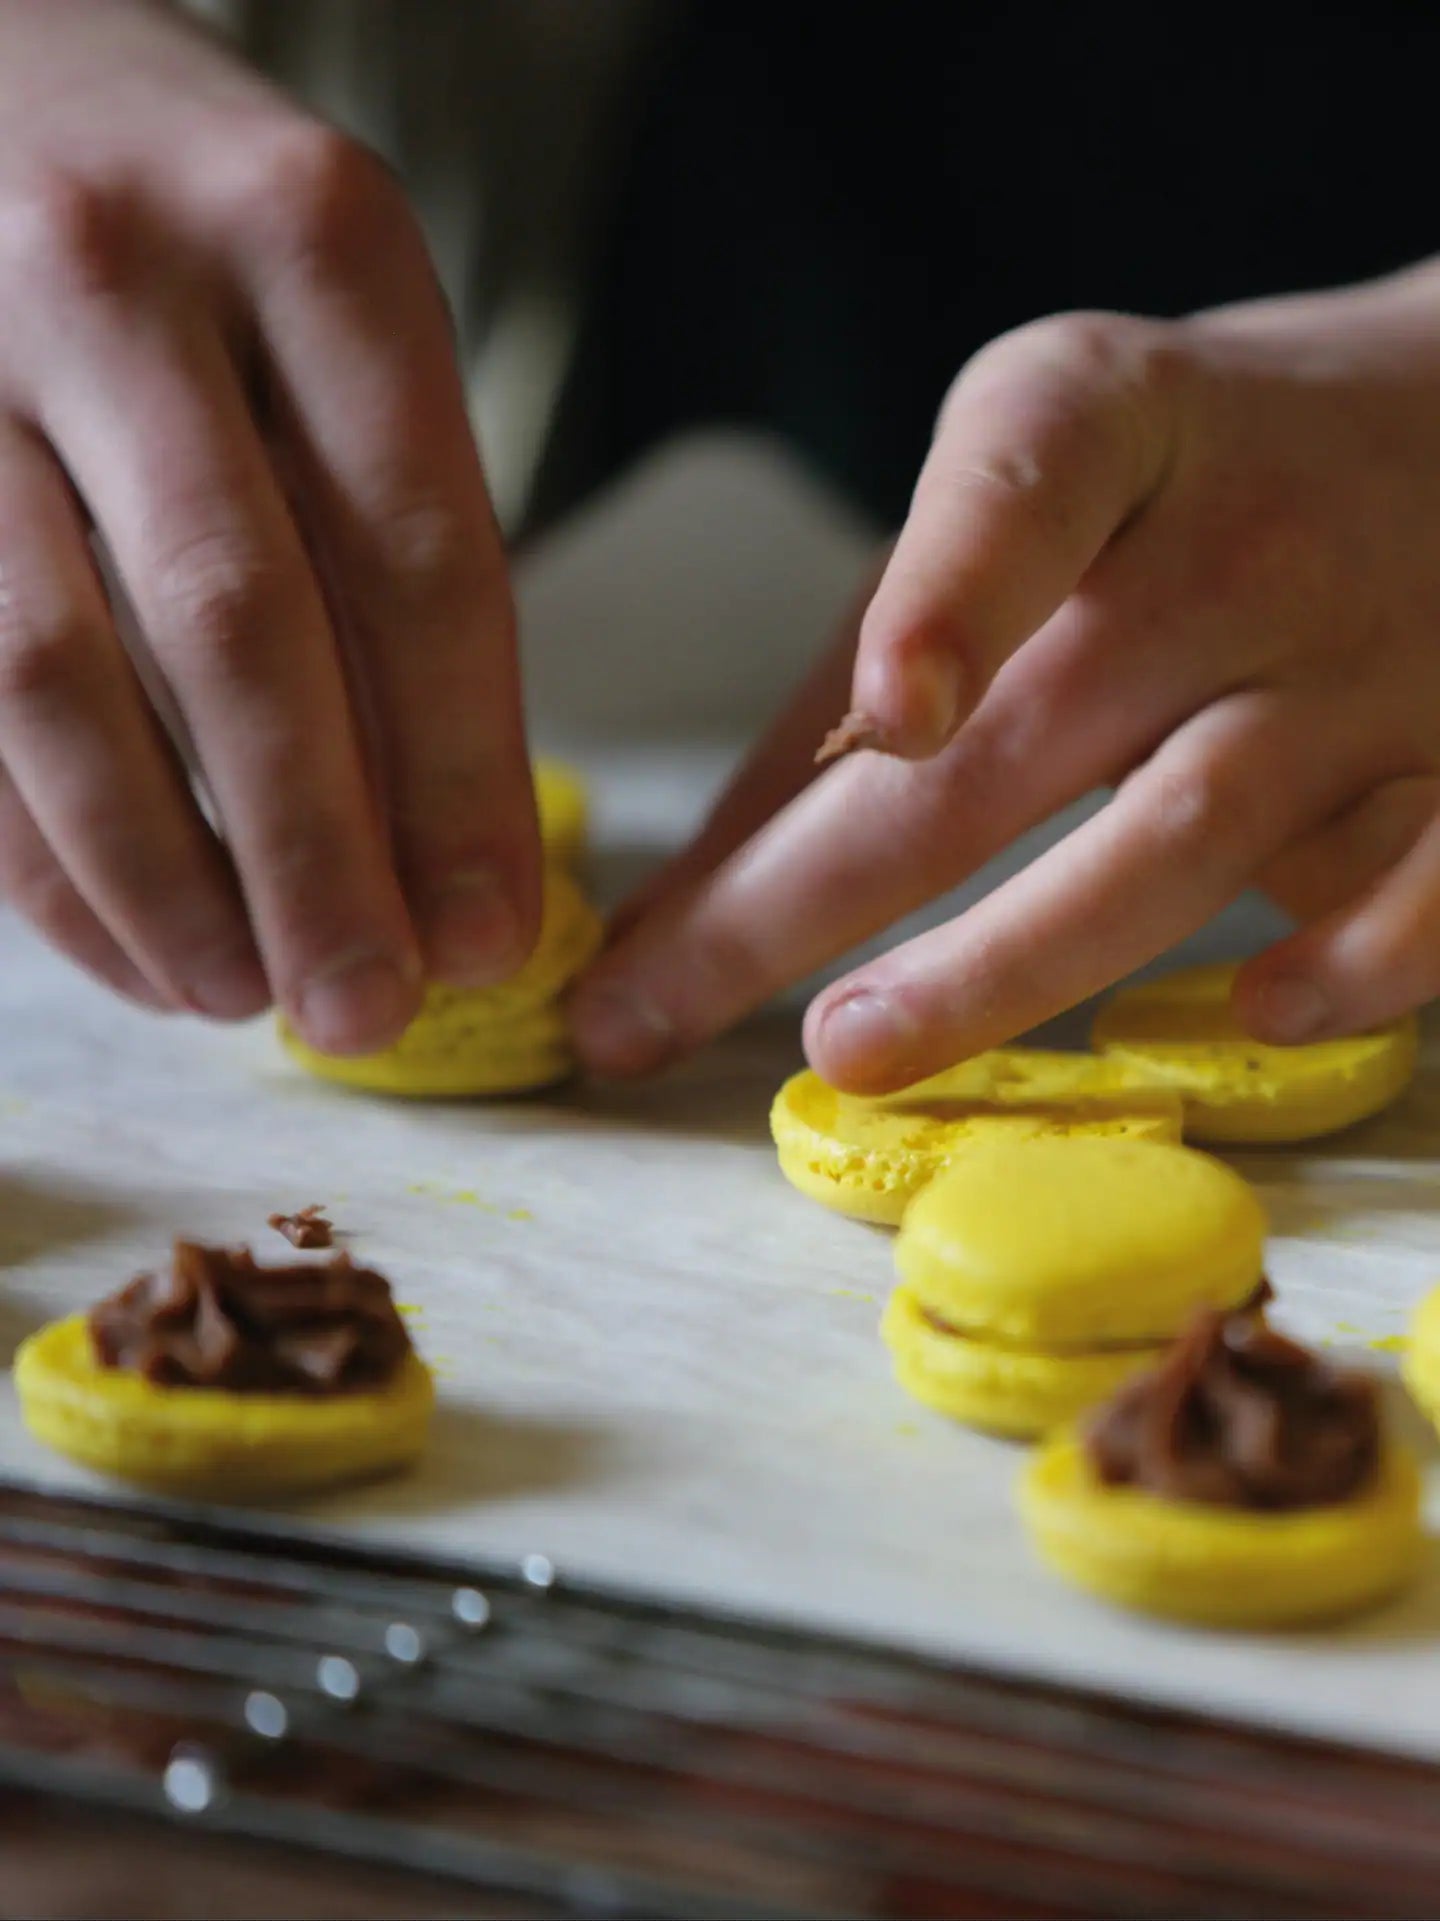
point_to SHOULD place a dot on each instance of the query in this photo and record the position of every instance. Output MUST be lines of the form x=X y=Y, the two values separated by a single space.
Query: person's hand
x=1196 y=561
x=224 y=351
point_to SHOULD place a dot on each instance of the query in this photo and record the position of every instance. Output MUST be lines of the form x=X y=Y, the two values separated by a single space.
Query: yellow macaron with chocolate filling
x=1240 y=1483
x=467 y=1042
x=222 y=1379
x=1039 y=1271
x=1181 y=1031
x=563 y=804
x=870 y=1157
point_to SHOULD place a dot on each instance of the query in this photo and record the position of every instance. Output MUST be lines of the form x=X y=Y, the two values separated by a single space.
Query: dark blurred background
x=825 y=210
x=656 y=213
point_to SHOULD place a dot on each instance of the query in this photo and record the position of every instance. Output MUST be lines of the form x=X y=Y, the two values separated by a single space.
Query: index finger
x=1182 y=837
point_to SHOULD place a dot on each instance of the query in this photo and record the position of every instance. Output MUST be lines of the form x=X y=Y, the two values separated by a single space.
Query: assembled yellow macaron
x=1420 y=1365
x=467 y=1042
x=1181 y=1031
x=221 y=1378
x=1040 y=1271
x=1239 y=1483
x=870 y=1157
x=564 y=809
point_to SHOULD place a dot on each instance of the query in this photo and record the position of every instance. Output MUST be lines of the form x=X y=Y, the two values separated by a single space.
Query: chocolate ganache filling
x=216 y=1318
x=1238 y=1416
x=307 y=1227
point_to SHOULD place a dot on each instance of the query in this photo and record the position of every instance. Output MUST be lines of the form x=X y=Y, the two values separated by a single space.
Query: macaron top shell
x=570 y=936
x=481 y=1040
x=1181 y=1030
x=1055 y=1241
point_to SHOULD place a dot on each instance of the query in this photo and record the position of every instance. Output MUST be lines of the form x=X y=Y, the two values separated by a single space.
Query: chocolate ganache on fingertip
x=215 y=1318
x=1236 y=1415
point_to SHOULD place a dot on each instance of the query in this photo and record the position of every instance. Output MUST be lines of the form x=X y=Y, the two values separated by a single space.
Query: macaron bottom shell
x=1217 y=1566
x=863 y=1189
x=209 y=1442
x=868 y=1159
x=1180 y=1031
x=1015 y=1391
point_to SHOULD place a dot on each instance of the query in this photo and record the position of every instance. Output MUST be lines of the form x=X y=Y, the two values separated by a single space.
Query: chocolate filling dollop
x=1236 y=1415
x=307 y=1227
x=216 y=1318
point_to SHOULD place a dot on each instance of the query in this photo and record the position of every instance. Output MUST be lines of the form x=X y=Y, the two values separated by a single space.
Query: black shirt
x=827 y=209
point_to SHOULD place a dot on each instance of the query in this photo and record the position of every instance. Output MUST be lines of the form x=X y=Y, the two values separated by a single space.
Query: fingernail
x=620 y=1031
x=232 y=990
x=865 y=1036
x=473 y=930
x=1290 y=1009
x=939 y=690
x=359 y=1003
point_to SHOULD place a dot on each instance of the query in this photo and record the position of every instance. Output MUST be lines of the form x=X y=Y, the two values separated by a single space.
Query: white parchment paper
x=659 y=1364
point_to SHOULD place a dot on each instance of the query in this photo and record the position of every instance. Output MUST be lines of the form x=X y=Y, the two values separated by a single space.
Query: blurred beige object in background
x=638 y=627
x=505 y=121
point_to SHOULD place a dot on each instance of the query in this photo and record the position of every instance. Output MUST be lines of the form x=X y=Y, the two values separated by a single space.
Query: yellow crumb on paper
x=1390 y=1344
x=852 y=1294
x=1377 y=1343
x=452 y=1196
x=519 y=1214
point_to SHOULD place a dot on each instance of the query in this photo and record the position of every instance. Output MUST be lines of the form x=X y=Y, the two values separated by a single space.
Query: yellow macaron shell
x=1222 y=1566
x=1181 y=1031
x=564 y=809
x=1015 y=1391
x=444 y=1054
x=1420 y=1366
x=208 y=1441
x=868 y=1158
x=477 y=1041
x=1059 y=1241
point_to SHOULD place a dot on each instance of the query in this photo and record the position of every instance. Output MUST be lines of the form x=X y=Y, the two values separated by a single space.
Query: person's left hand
x=1195 y=561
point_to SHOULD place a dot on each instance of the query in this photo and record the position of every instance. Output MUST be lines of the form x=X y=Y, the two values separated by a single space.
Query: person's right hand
x=224 y=351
